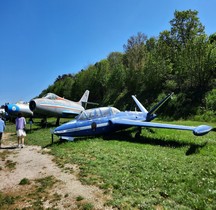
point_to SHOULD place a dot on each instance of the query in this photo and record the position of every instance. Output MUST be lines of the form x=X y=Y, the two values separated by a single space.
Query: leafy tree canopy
x=180 y=60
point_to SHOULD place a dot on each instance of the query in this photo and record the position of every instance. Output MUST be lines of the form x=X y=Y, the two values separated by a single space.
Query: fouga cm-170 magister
x=104 y=120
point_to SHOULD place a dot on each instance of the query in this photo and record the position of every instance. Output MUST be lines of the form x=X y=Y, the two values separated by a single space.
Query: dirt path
x=34 y=163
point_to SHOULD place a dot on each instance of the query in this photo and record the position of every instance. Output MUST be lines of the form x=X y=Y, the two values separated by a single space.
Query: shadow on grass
x=194 y=148
x=56 y=142
x=38 y=126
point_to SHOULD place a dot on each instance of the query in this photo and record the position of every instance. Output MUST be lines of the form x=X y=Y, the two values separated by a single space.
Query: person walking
x=20 y=126
x=2 y=128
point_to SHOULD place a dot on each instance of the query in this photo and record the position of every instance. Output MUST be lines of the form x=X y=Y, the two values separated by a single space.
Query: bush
x=211 y=100
x=206 y=116
x=24 y=181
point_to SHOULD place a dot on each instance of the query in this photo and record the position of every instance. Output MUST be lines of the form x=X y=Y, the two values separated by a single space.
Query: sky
x=42 y=39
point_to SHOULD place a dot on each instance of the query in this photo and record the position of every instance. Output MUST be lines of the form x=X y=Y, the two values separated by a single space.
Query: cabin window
x=114 y=110
x=91 y=114
x=82 y=116
x=97 y=113
x=105 y=111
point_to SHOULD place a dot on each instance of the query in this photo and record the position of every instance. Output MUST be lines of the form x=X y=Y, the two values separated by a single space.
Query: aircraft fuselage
x=57 y=108
x=95 y=124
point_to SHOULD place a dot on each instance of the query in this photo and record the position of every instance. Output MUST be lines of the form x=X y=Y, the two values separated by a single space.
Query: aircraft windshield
x=51 y=96
x=97 y=113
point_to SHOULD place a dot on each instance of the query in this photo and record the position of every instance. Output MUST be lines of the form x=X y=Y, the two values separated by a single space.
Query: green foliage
x=24 y=181
x=79 y=198
x=10 y=164
x=6 y=200
x=87 y=206
x=211 y=100
x=206 y=116
x=180 y=60
x=62 y=86
x=45 y=183
x=185 y=26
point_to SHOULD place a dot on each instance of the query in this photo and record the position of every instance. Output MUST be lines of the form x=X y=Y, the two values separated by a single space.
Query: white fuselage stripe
x=62 y=106
x=81 y=128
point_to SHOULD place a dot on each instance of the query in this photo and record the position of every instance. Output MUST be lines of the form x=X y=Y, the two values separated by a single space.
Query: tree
x=185 y=26
x=212 y=38
x=180 y=60
x=116 y=80
x=135 y=58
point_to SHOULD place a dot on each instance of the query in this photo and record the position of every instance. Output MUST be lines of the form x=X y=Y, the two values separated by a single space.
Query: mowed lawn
x=163 y=169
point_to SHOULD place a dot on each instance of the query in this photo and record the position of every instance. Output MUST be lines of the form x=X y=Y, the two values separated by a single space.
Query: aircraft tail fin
x=156 y=107
x=141 y=107
x=150 y=115
x=84 y=98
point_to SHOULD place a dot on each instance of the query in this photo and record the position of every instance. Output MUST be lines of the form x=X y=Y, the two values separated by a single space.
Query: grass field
x=164 y=169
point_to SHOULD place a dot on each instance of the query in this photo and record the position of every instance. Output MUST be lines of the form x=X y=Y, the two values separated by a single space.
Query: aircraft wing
x=198 y=131
x=70 y=113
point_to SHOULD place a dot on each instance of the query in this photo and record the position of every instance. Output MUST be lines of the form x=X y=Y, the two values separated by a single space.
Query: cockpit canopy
x=97 y=113
x=21 y=102
x=51 y=96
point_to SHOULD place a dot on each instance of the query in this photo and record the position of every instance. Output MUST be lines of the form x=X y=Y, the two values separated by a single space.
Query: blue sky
x=42 y=39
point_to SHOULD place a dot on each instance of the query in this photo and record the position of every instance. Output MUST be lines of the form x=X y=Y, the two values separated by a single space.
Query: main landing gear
x=138 y=133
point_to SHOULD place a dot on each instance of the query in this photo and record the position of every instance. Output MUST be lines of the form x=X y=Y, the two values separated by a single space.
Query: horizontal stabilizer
x=84 y=104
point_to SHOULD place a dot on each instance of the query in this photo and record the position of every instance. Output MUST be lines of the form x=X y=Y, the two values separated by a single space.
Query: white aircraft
x=52 y=105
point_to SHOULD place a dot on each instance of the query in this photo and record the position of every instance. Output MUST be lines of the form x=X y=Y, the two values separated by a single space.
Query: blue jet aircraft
x=103 y=120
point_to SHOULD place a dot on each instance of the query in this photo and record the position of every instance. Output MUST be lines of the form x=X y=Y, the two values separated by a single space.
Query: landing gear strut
x=58 y=121
x=138 y=133
x=44 y=123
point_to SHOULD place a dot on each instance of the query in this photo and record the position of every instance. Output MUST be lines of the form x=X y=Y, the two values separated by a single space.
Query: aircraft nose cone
x=32 y=105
